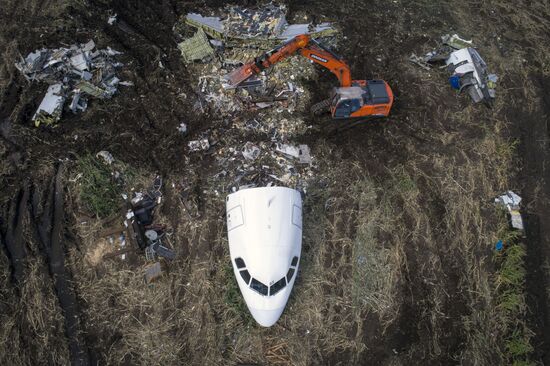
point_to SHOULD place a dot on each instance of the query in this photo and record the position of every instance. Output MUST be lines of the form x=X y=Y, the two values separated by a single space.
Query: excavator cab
x=372 y=98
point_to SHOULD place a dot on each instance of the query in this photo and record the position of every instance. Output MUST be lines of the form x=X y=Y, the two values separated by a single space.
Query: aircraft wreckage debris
x=265 y=25
x=469 y=71
x=75 y=73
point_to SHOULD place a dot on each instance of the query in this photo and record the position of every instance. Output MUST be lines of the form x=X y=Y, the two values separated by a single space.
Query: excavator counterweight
x=353 y=99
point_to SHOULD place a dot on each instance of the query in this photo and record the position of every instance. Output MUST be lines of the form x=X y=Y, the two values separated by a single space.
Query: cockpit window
x=289 y=274
x=246 y=276
x=258 y=287
x=240 y=263
x=277 y=286
x=261 y=288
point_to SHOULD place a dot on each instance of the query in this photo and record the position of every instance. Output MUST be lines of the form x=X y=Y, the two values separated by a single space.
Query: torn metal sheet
x=206 y=23
x=50 y=109
x=196 y=48
x=512 y=201
x=319 y=30
x=289 y=150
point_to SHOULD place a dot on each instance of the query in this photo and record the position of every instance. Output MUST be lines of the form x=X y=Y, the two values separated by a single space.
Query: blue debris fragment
x=499 y=245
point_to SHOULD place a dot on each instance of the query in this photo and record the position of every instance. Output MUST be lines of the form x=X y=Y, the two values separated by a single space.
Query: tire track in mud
x=534 y=132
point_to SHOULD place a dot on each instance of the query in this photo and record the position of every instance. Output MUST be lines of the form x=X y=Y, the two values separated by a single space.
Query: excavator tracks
x=321 y=107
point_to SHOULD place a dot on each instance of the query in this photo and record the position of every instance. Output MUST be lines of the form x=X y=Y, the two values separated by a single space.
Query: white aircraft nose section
x=266 y=318
x=264 y=229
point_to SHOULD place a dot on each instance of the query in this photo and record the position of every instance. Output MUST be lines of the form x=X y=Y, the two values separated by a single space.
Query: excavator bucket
x=237 y=76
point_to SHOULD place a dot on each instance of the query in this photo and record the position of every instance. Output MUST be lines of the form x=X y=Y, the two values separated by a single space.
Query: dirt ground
x=398 y=263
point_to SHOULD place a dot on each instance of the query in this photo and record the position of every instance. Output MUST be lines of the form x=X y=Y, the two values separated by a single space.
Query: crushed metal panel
x=196 y=48
x=51 y=107
x=95 y=91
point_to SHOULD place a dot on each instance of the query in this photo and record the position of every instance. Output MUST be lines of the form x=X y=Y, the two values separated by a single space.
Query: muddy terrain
x=398 y=265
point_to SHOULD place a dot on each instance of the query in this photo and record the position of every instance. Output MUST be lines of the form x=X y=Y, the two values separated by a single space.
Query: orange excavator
x=352 y=100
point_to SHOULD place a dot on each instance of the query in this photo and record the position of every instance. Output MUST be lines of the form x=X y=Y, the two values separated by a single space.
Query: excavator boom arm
x=302 y=44
x=328 y=60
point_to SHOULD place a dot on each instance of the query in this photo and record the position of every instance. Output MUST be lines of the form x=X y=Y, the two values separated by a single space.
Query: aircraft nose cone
x=266 y=318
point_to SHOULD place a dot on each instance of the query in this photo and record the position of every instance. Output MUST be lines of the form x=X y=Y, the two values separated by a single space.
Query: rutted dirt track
x=398 y=264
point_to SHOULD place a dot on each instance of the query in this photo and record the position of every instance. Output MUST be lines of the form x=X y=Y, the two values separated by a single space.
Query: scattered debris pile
x=266 y=25
x=262 y=164
x=469 y=71
x=250 y=23
x=150 y=237
x=511 y=201
x=74 y=73
x=253 y=125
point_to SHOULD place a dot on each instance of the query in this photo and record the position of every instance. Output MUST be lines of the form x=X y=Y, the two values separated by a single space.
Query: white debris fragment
x=512 y=201
x=112 y=19
x=106 y=156
x=109 y=51
x=79 y=103
x=198 y=145
x=51 y=106
x=138 y=197
x=290 y=150
x=293 y=30
x=456 y=42
x=305 y=155
x=182 y=128
x=80 y=62
x=88 y=47
x=251 y=151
